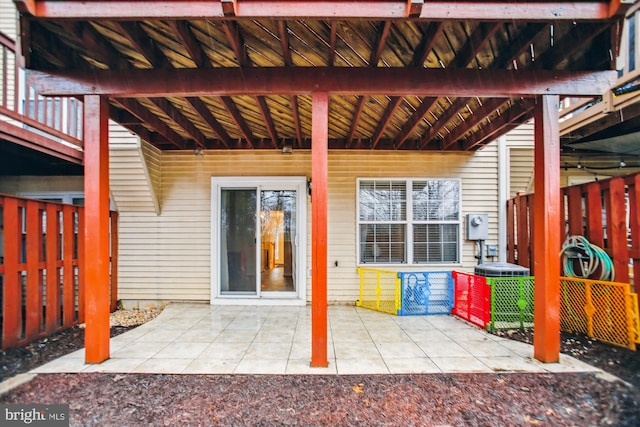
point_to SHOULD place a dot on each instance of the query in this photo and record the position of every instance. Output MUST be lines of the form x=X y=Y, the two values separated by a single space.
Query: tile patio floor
x=204 y=339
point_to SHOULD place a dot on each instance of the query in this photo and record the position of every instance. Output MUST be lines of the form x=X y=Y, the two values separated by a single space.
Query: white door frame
x=297 y=183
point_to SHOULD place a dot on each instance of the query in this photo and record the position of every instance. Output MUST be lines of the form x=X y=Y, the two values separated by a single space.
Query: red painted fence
x=42 y=268
x=472 y=298
x=606 y=212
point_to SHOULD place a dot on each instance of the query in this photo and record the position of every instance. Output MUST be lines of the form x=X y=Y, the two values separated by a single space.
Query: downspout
x=503 y=194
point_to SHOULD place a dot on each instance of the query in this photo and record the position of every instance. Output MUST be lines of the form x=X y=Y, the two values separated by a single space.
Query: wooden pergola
x=320 y=75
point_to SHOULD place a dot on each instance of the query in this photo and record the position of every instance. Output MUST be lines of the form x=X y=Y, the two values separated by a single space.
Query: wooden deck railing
x=578 y=112
x=606 y=212
x=57 y=117
x=42 y=268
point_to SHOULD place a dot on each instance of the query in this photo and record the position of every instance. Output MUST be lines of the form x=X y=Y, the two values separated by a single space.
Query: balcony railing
x=577 y=112
x=56 y=118
x=42 y=282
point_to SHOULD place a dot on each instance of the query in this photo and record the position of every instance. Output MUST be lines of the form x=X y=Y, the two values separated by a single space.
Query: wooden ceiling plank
x=372 y=9
x=138 y=110
x=178 y=118
x=143 y=43
x=190 y=43
x=205 y=114
x=337 y=80
x=237 y=118
x=268 y=120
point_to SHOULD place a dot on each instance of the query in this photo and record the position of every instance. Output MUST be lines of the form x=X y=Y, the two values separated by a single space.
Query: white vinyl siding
x=167 y=256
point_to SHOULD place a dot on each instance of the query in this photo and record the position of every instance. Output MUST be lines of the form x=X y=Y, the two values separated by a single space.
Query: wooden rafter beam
x=414 y=120
x=95 y=43
x=425 y=47
x=234 y=37
x=384 y=121
x=190 y=43
x=295 y=111
x=237 y=118
x=357 y=114
x=508 y=119
x=333 y=36
x=205 y=114
x=178 y=118
x=268 y=121
x=138 y=110
x=337 y=80
x=368 y=9
x=419 y=56
x=376 y=54
x=490 y=106
x=283 y=33
x=474 y=44
x=141 y=42
x=585 y=33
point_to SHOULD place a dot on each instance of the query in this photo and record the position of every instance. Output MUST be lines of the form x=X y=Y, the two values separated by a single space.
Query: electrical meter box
x=477 y=226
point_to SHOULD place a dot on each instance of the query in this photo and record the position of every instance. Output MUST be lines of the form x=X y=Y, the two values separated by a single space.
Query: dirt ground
x=499 y=399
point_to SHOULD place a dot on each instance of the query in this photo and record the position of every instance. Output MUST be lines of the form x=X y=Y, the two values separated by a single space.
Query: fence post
x=12 y=289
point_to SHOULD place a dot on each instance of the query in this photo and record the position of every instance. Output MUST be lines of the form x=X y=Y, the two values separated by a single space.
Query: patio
x=204 y=339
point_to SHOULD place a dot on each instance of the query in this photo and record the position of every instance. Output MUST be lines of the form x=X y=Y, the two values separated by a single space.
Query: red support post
x=546 y=224
x=96 y=232
x=319 y=189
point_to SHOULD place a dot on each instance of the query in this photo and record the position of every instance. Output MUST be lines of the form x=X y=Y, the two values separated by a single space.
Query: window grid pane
x=433 y=226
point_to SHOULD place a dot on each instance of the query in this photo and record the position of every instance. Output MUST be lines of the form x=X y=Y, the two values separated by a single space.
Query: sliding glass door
x=257 y=225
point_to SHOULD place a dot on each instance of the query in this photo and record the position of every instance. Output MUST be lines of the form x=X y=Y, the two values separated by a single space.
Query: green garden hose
x=589 y=258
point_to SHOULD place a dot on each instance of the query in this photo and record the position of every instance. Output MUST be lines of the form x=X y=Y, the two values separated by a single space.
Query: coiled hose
x=589 y=256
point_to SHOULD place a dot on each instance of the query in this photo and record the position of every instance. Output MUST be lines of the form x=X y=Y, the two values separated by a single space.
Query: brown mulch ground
x=434 y=400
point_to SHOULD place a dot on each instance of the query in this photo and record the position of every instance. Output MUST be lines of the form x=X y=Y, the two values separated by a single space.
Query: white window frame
x=409 y=222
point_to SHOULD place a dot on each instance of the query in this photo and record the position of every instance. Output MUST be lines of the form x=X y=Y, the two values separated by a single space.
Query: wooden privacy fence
x=606 y=212
x=42 y=268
